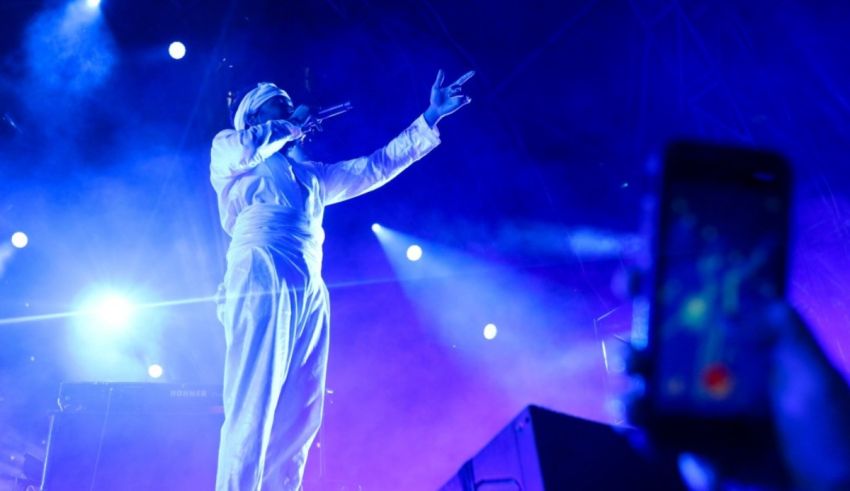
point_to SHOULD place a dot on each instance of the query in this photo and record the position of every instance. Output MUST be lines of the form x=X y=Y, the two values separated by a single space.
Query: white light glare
x=155 y=371
x=20 y=240
x=490 y=331
x=177 y=50
x=92 y=4
x=414 y=253
x=114 y=311
x=376 y=227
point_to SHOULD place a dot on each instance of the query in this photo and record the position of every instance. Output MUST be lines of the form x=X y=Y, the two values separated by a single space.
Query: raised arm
x=351 y=178
x=237 y=151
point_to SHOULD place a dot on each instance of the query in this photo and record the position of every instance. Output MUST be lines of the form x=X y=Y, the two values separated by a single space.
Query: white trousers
x=276 y=319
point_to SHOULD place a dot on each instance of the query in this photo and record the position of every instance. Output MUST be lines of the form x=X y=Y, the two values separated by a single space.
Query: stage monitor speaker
x=134 y=437
x=541 y=450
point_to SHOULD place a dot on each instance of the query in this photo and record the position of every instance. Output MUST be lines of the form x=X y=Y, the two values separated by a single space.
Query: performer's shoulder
x=225 y=133
x=223 y=140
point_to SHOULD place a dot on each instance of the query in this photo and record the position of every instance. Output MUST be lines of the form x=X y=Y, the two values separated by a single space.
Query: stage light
x=155 y=371
x=92 y=4
x=376 y=227
x=414 y=253
x=490 y=332
x=113 y=311
x=177 y=50
x=20 y=240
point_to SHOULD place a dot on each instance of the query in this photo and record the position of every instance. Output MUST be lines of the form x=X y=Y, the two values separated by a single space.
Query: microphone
x=314 y=124
x=333 y=111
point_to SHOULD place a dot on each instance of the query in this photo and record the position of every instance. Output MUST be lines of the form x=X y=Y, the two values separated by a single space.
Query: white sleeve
x=351 y=178
x=234 y=152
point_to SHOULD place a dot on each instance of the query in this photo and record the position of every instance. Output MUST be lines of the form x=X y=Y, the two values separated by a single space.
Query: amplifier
x=139 y=397
x=133 y=437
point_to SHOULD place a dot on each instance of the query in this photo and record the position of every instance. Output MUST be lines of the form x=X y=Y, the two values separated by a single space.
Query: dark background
x=527 y=209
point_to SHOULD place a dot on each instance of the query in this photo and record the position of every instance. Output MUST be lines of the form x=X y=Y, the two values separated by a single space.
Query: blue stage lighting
x=113 y=311
x=92 y=4
x=177 y=50
x=414 y=253
x=20 y=240
x=490 y=331
x=155 y=371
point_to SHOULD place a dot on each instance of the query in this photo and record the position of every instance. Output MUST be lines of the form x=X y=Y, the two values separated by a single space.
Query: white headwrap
x=253 y=100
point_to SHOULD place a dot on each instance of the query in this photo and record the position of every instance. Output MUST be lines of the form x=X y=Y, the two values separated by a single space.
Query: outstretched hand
x=448 y=99
x=811 y=404
x=810 y=408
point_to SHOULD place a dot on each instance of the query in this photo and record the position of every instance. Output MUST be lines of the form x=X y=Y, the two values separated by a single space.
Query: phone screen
x=721 y=256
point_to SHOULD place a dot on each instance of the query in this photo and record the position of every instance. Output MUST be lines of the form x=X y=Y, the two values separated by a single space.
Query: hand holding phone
x=731 y=371
x=719 y=242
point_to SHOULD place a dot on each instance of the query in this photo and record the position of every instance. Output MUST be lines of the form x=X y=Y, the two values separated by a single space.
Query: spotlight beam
x=87 y=312
x=24 y=319
x=193 y=300
x=37 y=318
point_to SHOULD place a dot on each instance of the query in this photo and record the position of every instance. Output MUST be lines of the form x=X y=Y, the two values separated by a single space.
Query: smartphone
x=719 y=248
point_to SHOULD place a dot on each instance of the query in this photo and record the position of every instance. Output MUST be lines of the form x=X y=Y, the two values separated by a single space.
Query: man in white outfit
x=273 y=302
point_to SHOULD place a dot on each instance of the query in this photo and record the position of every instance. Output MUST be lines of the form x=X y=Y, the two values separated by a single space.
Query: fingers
x=461 y=100
x=463 y=78
x=784 y=323
x=312 y=126
x=300 y=115
x=441 y=76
